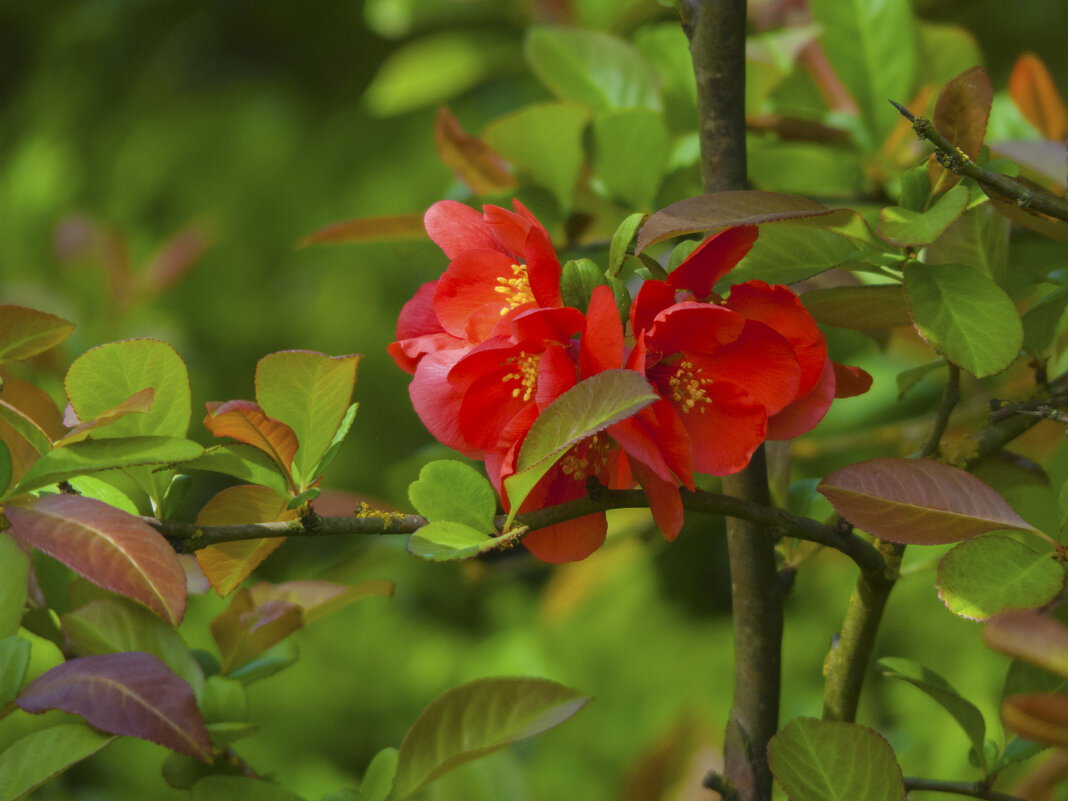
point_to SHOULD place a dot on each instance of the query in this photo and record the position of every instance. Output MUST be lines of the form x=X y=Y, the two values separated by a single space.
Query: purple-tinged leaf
x=247 y=629
x=131 y=693
x=918 y=501
x=1041 y=717
x=960 y=115
x=317 y=598
x=1031 y=636
x=109 y=547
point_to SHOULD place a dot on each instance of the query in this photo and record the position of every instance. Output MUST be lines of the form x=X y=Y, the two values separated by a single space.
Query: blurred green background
x=241 y=127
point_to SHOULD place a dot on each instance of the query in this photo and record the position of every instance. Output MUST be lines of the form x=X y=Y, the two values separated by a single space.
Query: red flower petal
x=457 y=228
x=653 y=298
x=437 y=401
x=511 y=228
x=759 y=361
x=692 y=326
x=570 y=541
x=601 y=346
x=804 y=413
x=713 y=259
x=554 y=325
x=471 y=283
x=543 y=268
x=417 y=317
x=850 y=381
x=657 y=437
x=664 y=500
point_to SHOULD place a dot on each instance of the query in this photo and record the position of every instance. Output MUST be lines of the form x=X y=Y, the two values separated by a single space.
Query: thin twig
x=971 y=789
x=950 y=399
x=1025 y=196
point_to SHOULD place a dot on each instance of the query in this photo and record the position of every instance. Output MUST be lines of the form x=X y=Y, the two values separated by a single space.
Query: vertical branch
x=716 y=29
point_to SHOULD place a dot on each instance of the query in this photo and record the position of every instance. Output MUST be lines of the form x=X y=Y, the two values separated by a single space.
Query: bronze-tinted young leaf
x=474 y=163
x=34 y=403
x=368 y=229
x=863 y=308
x=246 y=422
x=138 y=403
x=728 y=209
x=227 y=564
x=177 y=255
x=917 y=501
x=960 y=115
x=247 y=629
x=131 y=693
x=109 y=547
x=1032 y=636
x=1035 y=93
x=1042 y=717
x=1039 y=223
x=27 y=332
x=477 y=719
x=318 y=598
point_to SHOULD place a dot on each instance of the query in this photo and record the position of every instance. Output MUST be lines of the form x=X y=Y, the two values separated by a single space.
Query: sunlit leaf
x=830 y=760
x=227 y=564
x=727 y=209
x=786 y=254
x=630 y=154
x=38 y=756
x=444 y=541
x=859 y=307
x=27 y=332
x=475 y=720
x=240 y=788
x=578 y=280
x=95 y=455
x=917 y=501
x=114 y=625
x=622 y=240
x=246 y=422
x=14 y=569
x=130 y=693
x=338 y=440
x=309 y=392
x=109 y=547
x=25 y=427
x=318 y=598
x=138 y=403
x=960 y=115
x=978 y=238
x=964 y=316
x=368 y=229
x=246 y=629
x=34 y=403
x=903 y=228
x=104 y=377
x=93 y=487
x=448 y=490
x=544 y=142
x=593 y=68
x=473 y=162
x=590 y=406
x=926 y=680
x=1029 y=635
x=1042 y=717
x=1035 y=93
x=378 y=778
x=244 y=462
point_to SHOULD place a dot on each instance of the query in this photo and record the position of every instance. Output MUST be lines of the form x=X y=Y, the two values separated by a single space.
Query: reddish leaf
x=177 y=255
x=138 y=403
x=1042 y=717
x=246 y=422
x=318 y=598
x=474 y=162
x=1036 y=95
x=960 y=115
x=245 y=630
x=1040 y=223
x=130 y=693
x=728 y=209
x=227 y=564
x=34 y=403
x=368 y=229
x=1031 y=636
x=27 y=332
x=23 y=453
x=917 y=501
x=109 y=547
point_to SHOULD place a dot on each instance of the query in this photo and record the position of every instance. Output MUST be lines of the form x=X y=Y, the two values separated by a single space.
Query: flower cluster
x=490 y=344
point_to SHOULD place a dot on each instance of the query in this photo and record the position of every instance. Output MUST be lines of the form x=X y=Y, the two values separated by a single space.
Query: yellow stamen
x=526 y=373
x=516 y=290
x=688 y=388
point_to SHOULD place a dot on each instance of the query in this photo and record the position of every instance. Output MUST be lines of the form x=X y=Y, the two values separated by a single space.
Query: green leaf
x=978 y=238
x=475 y=720
x=227 y=732
x=454 y=492
x=964 y=316
x=667 y=50
x=94 y=455
x=37 y=757
x=443 y=541
x=630 y=154
x=859 y=307
x=244 y=462
x=378 y=779
x=14 y=570
x=963 y=711
x=26 y=428
x=310 y=392
x=979 y=578
x=14 y=659
x=872 y=46
x=303 y=498
x=240 y=788
x=1042 y=320
x=543 y=140
x=271 y=661
x=623 y=240
x=907 y=379
x=27 y=332
x=825 y=760
x=92 y=487
x=577 y=282
x=224 y=699
x=593 y=68
x=592 y=405
x=104 y=377
x=905 y=228
x=338 y=440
